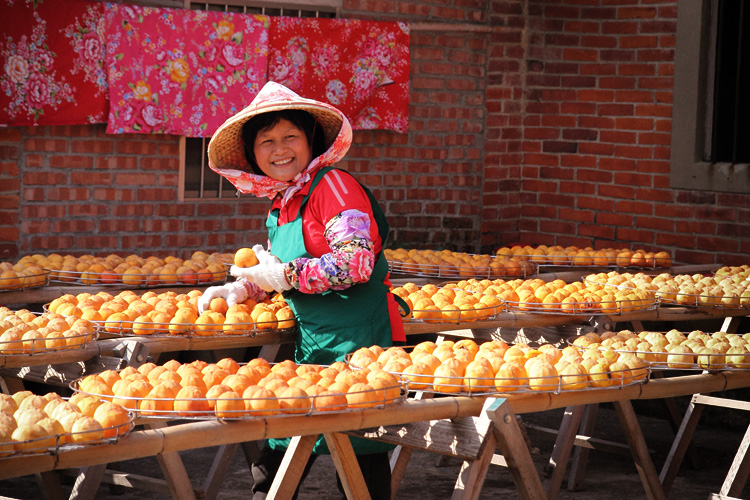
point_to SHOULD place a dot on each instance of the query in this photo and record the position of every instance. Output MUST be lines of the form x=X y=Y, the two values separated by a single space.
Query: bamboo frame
x=212 y=433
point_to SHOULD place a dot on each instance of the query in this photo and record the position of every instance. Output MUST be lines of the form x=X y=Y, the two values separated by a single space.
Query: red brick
x=583 y=216
x=659 y=195
x=690 y=227
x=135 y=147
x=67 y=194
x=634 y=207
x=45 y=179
x=52 y=242
x=655 y=139
x=88 y=209
x=596 y=231
x=8 y=169
x=596 y=176
x=618 y=136
x=578 y=187
x=716 y=213
x=41 y=211
x=71 y=161
x=135 y=179
x=10 y=202
x=633 y=151
x=100 y=147
x=156 y=194
x=144 y=241
x=656 y=83
x=634 y=235
x=596 y=149
x=92 y=178
x=111 y=194
x=578 y=161
x=166 y=225
x=73 y=226
x=632 y=179
x=118 y=225
x=124 y=162
x=46 y=145
x=10 y=134
x=733 y=230
x=713 y=244
x=595 y=203
x=617 y=82
x=694 y=257
x=101 y=241
x=625 y=192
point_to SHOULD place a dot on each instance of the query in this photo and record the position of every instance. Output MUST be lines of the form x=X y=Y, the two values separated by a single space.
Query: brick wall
x=595 y=82
x=83 y=191
x=544 y=122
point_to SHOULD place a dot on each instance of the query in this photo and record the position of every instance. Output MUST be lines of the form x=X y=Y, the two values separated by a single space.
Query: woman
x=326 y=234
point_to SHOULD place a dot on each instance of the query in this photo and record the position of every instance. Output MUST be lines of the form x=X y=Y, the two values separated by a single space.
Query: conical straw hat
x=227 y=149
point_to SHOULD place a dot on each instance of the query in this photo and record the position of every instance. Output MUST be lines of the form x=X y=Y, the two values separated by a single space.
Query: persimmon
x=113 y=418
x=191 y=401
x=229 y=404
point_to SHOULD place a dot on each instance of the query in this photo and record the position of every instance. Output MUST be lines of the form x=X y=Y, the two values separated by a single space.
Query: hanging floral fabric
x=183 y=72
x=361 y=67
x=52 y=55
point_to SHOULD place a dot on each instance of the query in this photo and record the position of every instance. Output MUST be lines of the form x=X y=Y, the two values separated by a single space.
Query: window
x=730 y=75
x=197 y=180
x=711 y=112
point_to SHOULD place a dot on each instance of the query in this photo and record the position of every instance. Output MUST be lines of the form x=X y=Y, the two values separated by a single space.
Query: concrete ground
x=609 y=475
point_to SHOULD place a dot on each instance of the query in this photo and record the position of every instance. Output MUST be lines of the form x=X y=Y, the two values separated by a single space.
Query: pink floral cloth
x=52 y=55
x=183 y=72
x=361 y=67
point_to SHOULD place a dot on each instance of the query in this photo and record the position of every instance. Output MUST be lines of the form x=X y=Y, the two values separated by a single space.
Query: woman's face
x=282 y=151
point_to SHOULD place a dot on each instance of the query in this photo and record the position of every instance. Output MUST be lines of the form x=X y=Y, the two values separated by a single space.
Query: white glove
x=234 y=293
x=268 y=274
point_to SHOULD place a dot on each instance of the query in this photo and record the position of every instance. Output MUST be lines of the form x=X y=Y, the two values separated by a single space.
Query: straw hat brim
x=226 y=149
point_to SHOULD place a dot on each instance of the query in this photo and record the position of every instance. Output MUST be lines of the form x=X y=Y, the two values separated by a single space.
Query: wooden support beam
x=643 y=463
x=347 y=466
x=510 y=441
x=290 y=472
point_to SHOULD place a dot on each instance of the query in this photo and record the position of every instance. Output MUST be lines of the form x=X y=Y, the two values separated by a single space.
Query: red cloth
x=361 y=67
x=180 y=71
x=52 y=55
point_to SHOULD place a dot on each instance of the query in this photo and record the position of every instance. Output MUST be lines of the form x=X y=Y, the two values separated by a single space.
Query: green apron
x=336 y=322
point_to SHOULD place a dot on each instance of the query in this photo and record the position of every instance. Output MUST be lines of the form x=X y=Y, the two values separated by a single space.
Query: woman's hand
x=234 y=293
x=268 y=274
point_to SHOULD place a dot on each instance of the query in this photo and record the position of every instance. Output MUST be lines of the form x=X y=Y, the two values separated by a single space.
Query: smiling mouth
x=283 y=162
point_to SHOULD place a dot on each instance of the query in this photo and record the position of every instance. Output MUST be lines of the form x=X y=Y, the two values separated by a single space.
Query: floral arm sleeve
x=350 y=260
x=254 y=291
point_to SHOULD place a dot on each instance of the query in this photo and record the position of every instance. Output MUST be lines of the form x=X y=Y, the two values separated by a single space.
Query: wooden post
x=292 y=466
x=739 y=470
x=637 y=443
x=473 y=473
x=347 y=466
x=218 y=470
x=87 y=482
x=516 y=452
x=563 y=447
x=581 y=454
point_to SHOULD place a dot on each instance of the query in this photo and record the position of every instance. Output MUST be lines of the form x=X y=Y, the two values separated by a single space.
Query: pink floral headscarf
x=275 y=96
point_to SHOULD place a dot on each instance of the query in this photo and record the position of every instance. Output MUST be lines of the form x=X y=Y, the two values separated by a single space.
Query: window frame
x=690 y=108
